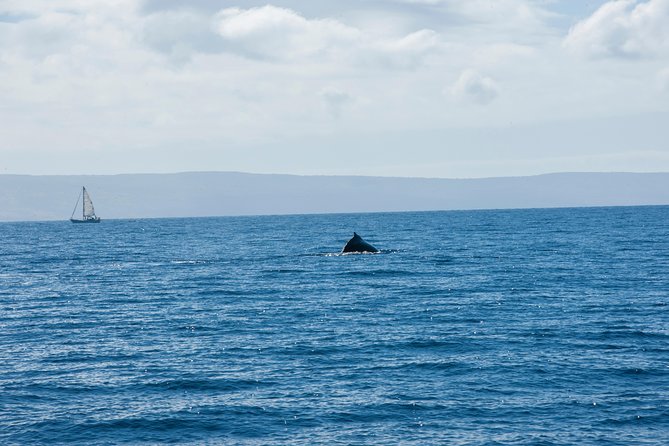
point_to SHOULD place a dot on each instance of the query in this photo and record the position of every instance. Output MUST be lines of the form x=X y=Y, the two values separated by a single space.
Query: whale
x=357 y=244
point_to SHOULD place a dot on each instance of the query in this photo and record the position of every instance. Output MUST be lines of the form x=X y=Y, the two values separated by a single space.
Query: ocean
x=507 y=327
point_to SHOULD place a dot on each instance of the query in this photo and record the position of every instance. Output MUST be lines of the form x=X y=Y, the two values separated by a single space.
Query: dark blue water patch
x=496 y=327
x=195 y=384
x=423 y=366
x=280 y=271
x=380 y=273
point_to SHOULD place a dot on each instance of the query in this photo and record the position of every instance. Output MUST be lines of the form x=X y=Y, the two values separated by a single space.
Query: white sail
x=89 y=211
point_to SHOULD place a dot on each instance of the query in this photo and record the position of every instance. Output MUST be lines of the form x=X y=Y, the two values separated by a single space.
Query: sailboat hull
x=91 y=220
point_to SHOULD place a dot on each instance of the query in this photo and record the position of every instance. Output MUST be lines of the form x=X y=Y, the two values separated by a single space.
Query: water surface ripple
x=537 y=327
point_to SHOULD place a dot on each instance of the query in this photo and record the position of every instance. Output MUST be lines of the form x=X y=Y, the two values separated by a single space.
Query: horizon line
x=238 y=172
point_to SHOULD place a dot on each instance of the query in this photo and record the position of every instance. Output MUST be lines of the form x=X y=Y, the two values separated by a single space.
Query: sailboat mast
x=83 y=203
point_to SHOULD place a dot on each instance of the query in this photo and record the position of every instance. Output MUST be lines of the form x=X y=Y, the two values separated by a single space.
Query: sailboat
x=87 y=210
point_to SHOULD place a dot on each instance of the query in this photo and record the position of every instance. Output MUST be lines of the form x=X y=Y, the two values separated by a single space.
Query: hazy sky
x=438 y=88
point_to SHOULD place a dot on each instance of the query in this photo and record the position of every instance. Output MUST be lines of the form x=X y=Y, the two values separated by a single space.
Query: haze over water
x=483 y=327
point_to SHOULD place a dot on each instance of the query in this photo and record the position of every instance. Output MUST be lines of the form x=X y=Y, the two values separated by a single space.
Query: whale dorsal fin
x=357 y=244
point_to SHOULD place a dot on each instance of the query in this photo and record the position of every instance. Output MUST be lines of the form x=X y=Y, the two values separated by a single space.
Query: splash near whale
x=357 y=244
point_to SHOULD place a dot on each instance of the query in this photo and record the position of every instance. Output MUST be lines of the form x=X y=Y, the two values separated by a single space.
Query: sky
x=424 y=88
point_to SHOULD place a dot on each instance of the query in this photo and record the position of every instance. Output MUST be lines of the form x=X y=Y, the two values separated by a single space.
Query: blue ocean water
x=537 y=327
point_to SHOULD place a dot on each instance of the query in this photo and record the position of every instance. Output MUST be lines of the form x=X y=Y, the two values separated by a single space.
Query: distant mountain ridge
x=203 y=194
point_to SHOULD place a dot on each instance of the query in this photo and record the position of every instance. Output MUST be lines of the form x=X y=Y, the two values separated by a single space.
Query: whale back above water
x=357 y=244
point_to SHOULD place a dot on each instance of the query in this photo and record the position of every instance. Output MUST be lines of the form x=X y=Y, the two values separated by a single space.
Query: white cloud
x=417 y=42
x=279 y=33
x=39 y=36
x=405 y=52
x=511 y=12
x=180 y=33
x=623 y=28
x=474 y=87
x=519 y=18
